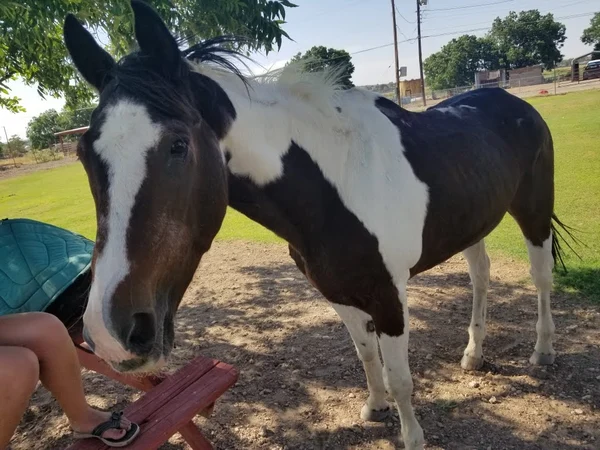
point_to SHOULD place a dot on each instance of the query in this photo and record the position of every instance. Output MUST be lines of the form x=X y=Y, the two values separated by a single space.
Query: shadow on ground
x=302 y=386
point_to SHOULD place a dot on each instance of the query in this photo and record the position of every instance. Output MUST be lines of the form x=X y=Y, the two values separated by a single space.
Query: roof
x=80 y=130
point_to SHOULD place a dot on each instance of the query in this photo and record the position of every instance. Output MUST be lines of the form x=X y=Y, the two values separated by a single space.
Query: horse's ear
x=91 y=60
x=154 y=38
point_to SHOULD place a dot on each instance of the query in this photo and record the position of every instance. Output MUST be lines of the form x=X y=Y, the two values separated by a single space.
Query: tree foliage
x=32 y=49
x=319 y=58
x=591 y=35
x=518 y=40
x=528 y=38
x=18 y=146
x=77 y=118
x=457 y=61
x=41 y=129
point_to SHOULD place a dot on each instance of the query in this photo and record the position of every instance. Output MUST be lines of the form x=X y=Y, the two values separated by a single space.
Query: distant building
x=526 y=76
x=490 y=78
x=576 y=62
x=410 y=88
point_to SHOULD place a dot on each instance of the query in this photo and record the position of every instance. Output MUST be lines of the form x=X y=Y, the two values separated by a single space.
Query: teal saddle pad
x=38 y=262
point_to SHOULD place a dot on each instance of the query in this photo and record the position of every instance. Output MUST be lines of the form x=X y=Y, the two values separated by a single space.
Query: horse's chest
x=344 y=270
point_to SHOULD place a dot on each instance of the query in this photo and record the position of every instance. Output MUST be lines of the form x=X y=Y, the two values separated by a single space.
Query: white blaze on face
x=126 y=137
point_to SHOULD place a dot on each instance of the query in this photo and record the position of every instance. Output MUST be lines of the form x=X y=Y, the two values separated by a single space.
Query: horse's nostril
x=142 y=333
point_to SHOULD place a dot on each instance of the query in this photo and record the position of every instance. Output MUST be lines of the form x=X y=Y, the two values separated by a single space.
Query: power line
x=572 y=16
x=523 y=4
x=400 y=31
x=471 y=6
x=446 y=34
x=574 y=3
x=404 y=18
x=451 y=33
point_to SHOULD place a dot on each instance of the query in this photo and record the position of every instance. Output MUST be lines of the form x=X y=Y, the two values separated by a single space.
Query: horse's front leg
x=391 y=324
x=362 y=330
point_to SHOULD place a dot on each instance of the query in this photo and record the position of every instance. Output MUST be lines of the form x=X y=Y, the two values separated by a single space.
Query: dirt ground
x=10 y=171
x=301 y=385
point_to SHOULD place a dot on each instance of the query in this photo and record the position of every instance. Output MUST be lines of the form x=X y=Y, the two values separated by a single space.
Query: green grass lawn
x=61 y=196
x=574 y=120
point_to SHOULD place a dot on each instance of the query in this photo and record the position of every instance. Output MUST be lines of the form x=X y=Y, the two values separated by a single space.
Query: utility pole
x=397 y=66
x=420 y=54
x=10 y=149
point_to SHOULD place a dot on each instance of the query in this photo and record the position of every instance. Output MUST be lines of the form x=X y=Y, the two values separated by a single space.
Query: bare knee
x=46 y=333
x=19 y=370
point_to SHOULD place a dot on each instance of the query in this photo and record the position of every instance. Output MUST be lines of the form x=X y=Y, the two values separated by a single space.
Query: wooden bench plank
x=173 y=385
x=182 y=408
x=171 y=405
x=194 y=437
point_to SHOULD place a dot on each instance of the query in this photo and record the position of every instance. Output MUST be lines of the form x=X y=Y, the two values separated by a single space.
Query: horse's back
x=516 y=120
x=473 y=151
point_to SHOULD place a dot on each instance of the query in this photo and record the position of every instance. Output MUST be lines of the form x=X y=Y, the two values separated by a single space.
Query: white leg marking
x=541 y=272
x=479 y=271
x=376 y=408
x=126 y=136
x=394 y=350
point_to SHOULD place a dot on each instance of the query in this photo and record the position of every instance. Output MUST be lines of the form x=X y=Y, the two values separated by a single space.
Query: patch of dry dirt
x=302 y=386
x=9 y=171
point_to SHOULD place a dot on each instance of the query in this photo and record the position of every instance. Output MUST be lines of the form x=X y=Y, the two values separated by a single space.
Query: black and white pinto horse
x=366 y=194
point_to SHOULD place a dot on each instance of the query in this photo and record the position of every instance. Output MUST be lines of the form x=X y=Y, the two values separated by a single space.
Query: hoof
x=470 y=363
x=416 y=443
x=542 y=359
x=375 y=415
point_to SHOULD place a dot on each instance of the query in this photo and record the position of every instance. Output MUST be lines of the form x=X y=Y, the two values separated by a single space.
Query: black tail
x=557 y=250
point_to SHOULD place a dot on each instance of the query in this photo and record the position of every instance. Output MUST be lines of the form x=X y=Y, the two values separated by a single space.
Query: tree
x=528 y=38
x=18 y=146
x=457 y=61
x=76 y=118
x=319 y=58
x=591 y=35
x=41 y=129
x=32 y=49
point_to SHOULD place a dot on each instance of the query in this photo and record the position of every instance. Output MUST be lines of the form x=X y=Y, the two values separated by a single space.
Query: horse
x=366 y=194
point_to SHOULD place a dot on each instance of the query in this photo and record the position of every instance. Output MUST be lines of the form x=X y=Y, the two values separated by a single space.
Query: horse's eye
x=179 y=148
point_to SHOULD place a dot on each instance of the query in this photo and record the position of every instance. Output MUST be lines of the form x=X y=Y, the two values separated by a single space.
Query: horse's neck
x=273 y=133
x=269 y=122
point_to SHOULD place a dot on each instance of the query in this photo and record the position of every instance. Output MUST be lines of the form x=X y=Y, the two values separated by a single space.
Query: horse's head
x=158 y=178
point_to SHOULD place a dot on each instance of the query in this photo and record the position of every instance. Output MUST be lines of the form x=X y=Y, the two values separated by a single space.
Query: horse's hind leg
x=532 y=209
x=362 y=330
x=479 y=271
x=542 y=263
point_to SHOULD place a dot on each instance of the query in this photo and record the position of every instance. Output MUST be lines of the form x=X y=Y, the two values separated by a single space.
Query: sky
x=358 y=25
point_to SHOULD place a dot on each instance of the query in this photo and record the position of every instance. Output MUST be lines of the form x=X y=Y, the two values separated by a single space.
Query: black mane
x=216 y=51
x=142 y=76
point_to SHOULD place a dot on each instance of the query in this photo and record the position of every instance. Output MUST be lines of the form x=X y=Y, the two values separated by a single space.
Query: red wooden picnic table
x=169 y=403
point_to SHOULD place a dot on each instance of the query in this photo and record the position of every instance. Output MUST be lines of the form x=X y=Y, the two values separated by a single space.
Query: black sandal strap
x=113 y=423
x=127 y=436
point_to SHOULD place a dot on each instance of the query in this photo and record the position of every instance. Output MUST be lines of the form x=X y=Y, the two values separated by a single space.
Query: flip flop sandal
x=113 y=423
